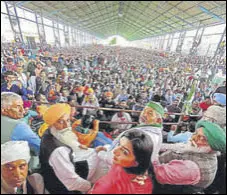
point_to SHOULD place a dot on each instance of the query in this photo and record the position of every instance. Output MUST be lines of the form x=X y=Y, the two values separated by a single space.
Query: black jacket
x=48 y=144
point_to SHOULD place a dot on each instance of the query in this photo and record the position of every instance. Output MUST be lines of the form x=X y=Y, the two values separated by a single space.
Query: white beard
x=188 y=147
x=67 y=137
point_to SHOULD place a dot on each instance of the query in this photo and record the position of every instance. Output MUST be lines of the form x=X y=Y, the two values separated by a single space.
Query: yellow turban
x=55 y=112
x=41 y=109
x=42 y=129
x=90 y=91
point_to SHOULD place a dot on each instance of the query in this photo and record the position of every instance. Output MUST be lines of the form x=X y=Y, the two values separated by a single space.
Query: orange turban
x=80 y=88
x=55 y=112
x=109 y=94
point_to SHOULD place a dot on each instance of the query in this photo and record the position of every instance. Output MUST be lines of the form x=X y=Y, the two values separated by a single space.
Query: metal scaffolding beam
x=73 y=36
x=196 y=41
x=40 y=27
x=14 y=22
x=180 y=42
x=170 y=41
x=56 y=34
x=220 y=51
x=66 y=34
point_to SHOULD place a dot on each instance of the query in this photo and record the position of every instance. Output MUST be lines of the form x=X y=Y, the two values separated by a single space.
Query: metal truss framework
x=133 y=20
x=40 y=27
x=14 y=22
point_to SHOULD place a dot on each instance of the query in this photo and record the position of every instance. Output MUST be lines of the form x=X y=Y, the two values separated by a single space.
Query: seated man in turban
x=90 y=100
x=66 y=165
x=15 y=156
x=108 y=102
x=217 y=114
x=190 y=168
x=151 y=122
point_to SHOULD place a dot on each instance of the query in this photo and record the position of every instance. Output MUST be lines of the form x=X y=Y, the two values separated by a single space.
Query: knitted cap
x=157 y=107
x=217 y=113
x=215 y=135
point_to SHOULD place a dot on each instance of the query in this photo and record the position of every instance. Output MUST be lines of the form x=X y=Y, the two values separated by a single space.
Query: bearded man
x=66 y=165
x=150 y=122
x=190 y=168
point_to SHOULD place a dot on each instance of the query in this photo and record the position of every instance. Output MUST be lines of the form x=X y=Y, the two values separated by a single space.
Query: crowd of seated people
x=93 y=120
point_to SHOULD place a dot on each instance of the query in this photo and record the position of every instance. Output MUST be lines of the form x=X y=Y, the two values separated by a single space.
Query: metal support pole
x=180 y=42
x=14 y=22
x=196 y=42
x=40 y=27
x=219 y=44
x=72 y=36
x=56 y=33
x=170 y=41
x=66 y=34
x=76 y=36
x=220 y=51
x=18 y=21
x=162 y=42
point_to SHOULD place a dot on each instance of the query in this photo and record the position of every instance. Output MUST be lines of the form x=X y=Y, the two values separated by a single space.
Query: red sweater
x=204 y=106
x=117 y=181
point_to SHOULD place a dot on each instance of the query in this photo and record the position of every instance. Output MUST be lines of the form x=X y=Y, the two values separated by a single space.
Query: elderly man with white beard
x=66 y=165
x=172 y=167
x=150 y=122
x=189 y=167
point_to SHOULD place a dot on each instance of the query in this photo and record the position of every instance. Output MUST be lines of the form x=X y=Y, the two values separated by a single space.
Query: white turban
x=14 y=150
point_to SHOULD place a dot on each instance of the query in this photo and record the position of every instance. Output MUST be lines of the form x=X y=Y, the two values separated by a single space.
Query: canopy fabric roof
x=132 y=20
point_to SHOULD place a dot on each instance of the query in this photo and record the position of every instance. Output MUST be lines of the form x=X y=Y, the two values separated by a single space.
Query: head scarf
x=220 y=98
x=27 y=104
x=14 y=150
x=55 y=112
x=215 y=135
